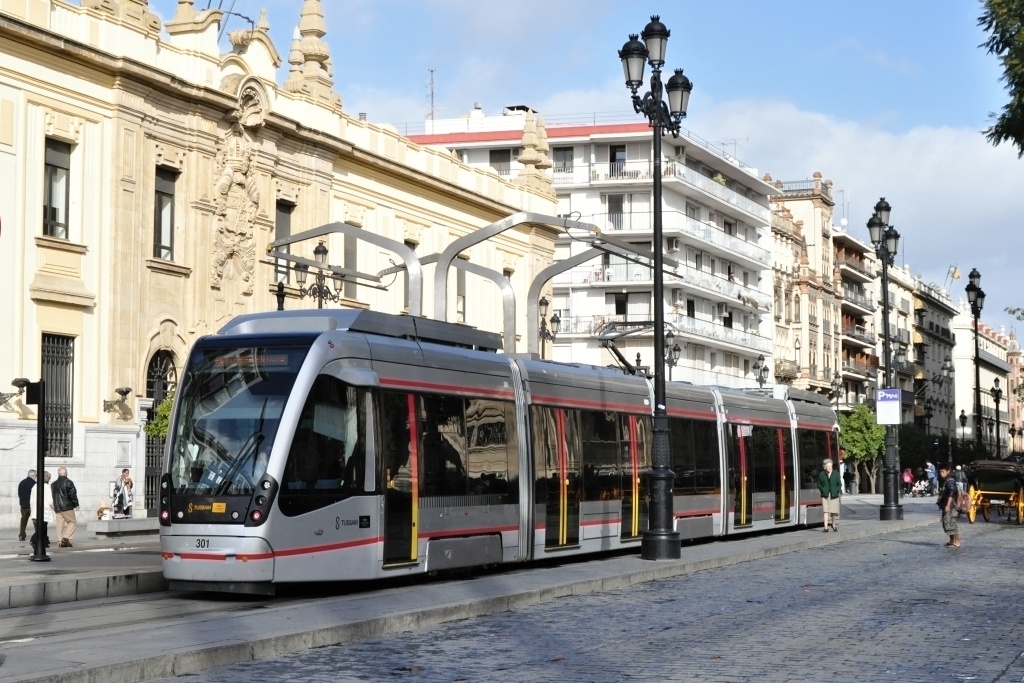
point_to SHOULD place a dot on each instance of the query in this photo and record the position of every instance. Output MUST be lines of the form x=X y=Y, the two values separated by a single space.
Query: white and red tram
x=344 y=445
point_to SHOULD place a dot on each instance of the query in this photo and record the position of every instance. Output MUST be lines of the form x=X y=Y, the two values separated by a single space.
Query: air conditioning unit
x=672 y=244
x=678 y=297
x=723 y=309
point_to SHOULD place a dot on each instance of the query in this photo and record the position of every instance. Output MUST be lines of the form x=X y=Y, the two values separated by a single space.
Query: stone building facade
x=164 y=168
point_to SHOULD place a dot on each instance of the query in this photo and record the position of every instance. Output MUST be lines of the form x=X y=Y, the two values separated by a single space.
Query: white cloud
x=956 y=199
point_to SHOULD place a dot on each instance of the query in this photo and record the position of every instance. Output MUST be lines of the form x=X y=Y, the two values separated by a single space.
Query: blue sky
x=885 y=98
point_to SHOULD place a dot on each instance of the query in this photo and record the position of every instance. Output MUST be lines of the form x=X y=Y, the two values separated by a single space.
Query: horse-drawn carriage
x=996 y=483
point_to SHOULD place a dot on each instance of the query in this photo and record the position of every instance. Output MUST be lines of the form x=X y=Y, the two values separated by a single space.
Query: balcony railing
x=710 y=330
x=786 y=369
x=860 y=333
x=589 y=324
x=858 y=298
x=716 y=189
x=733 y=291
x=856 y=265
x=860 y=367
x=676 y=221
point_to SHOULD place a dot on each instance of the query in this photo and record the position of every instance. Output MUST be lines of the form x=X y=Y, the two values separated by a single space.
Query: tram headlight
x=234 y=514
x=165 y=515
x=261 y=500
x=265 y=485
x=256 y=516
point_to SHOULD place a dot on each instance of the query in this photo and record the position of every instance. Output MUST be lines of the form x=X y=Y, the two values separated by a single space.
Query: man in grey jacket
x=65 y=502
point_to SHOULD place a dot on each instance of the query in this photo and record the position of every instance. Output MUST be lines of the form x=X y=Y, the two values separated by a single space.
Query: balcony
x=718 y=191
x=858 y=299
x=704 y=329
x=786 y=369
x=861 y=334
x=705 y=236
x=859 y=268
x=720 y=288
x=597 y=274
x=861 y=368
x=720 y=333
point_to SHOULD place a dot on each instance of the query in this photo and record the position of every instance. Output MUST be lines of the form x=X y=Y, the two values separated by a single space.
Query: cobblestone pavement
x=898 y=607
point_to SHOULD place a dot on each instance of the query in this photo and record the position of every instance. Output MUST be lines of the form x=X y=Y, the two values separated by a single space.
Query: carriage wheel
x=986 y=512
x=972 y=512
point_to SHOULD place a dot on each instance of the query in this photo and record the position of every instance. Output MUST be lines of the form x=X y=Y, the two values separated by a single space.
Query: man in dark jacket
x=65 y=502
x=25 y=500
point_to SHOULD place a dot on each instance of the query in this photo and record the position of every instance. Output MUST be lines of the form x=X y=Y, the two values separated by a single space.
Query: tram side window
x=549 y=434
x=327 y=456
x=764 y=455
x=545 y=448
x=813 y=450
x=490 y=447
x=602 y=476
x=695 y=458
x=394 y=440
x=443 y=439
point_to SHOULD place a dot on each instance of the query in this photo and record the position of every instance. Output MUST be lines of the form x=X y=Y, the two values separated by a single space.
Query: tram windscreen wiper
x=248 y=448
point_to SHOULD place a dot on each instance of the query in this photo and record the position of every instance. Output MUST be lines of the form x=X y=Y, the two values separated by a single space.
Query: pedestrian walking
x=41 y=525
x=960 y=477
x=945 y=502
x=831 y=488
x=933 y=482
x=850 y=479
x=65 y=503
x=25 y=501
x=908 y=481
x=123 y=497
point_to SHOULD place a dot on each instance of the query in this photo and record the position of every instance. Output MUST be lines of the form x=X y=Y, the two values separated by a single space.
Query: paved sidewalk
x=165 y=644
x=95 y=567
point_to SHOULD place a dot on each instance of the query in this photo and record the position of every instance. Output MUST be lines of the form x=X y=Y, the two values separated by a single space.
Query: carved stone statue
x=237 y=201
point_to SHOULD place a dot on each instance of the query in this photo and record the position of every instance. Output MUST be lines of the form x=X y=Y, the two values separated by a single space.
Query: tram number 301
x=202 y=543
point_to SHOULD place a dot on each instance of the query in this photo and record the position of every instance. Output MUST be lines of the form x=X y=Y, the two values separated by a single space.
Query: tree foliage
x=1003 y=20
x=862 y=437
x=158 y=426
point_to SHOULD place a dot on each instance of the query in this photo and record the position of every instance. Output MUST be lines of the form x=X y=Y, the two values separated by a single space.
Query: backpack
x=962 y=502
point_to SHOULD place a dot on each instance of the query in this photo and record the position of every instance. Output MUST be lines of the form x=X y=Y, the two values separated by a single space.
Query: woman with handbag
x=830 y=485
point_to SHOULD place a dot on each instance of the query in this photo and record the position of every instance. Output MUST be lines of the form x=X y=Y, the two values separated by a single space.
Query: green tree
x=863 y=440
x=1003 y=20
x=157 y=427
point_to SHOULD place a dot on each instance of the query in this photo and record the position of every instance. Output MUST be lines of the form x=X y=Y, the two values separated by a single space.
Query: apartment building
x=716 y=230
x=934 y=374
x=808 y=295
x=993 y=346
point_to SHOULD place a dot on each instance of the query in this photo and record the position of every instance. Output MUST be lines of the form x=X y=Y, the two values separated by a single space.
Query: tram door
x=636 y=435
x=400 y=449
x=740 y=474
x=784 y=488
x=558 y=471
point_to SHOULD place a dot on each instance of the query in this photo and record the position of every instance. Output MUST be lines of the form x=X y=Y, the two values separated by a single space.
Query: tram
x=353 y=445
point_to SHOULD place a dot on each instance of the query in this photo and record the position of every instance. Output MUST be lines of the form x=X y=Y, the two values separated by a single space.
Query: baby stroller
x=920 y=489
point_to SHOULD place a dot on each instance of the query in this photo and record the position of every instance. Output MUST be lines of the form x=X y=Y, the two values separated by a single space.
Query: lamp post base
x=890 y=513
x=661 y=546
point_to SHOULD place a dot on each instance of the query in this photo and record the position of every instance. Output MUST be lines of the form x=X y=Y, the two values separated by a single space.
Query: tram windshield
x=229 y=409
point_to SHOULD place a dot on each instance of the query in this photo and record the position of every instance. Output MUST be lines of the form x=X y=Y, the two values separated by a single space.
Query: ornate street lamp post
x=545 y=333
x=319 y=289
x=660 y=541
x=997 y=395
x=1013 y=438
x=760 y=371
x=963 y=426
x=976 y=298
x=837 y=387
x=886 y=242
x=672 y=352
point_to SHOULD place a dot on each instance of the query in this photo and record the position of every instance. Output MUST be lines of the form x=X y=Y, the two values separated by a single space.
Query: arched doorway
x=161 y=379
